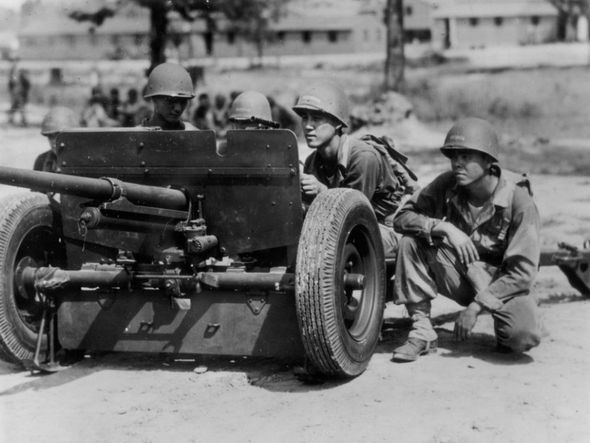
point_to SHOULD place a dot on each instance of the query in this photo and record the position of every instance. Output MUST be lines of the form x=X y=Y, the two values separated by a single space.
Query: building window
x=409 y=10
x=115 y=40
x=306 y=36
x=535 y=20
x=231 y=38
x=366 y=35
x=378 y=35
x=281 y=35
x=473 y=21
x=332 y=36
x=498 y=21
x=138 y=38
x=70 y=40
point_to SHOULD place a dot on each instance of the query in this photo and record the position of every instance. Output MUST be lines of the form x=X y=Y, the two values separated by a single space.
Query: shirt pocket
x=494 y=231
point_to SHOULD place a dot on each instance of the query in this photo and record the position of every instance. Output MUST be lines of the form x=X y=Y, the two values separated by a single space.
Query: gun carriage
x=150 y=241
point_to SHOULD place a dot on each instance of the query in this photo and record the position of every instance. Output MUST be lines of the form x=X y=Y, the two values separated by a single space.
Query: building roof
x=57 y=24
x=53 y=22
x=500 y=8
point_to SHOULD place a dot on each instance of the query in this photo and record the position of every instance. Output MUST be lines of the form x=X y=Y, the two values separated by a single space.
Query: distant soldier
x=169 y=88
x=95 y=115
x=19 y=86
x=220 y=113
x=203 y=115
x=54 y=122
x=251 y=110
x=134 y=110
x=473 y=236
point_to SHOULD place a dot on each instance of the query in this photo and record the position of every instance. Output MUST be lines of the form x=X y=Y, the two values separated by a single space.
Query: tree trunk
x=158 y=34
x=395 y=60
x=259 y=41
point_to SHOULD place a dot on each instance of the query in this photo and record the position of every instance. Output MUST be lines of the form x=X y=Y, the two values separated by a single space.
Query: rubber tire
x=335 y=221
x=27 y=228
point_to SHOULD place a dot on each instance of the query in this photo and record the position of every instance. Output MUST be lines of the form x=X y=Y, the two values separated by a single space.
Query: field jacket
x=363 y=168
x=505 y=233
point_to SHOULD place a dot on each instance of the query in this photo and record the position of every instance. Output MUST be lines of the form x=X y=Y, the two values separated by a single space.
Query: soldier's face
x=318 y=128
x=170 y=108
x=469 y=166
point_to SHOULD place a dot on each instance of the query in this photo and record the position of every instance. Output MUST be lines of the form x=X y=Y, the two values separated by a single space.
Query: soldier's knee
x=518 y=338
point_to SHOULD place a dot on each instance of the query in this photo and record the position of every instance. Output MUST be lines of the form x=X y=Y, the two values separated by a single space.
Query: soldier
x=251 y=110
x=54 y=122
x=473 y=236
x=170 y=88
x=19 y=86
x=341 y=161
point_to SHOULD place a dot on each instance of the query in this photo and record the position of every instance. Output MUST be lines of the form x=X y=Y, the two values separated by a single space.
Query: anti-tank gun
x=151 y=241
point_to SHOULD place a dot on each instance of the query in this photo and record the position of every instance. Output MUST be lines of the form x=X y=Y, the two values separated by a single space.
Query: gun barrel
x=103 y=189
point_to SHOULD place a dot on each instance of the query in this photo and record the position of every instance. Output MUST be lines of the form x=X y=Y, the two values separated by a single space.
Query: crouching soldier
x=473 y=236
x=251 y=110
x=169 y=88
x=340 y=161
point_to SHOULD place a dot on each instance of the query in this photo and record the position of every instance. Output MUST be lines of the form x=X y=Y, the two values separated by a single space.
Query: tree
x=246 y=17
x=251 y=19
x=395 y=60
x=569 y=13
x=159 y=19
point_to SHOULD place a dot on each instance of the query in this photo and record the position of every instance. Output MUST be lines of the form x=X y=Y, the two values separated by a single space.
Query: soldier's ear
x=494 y=169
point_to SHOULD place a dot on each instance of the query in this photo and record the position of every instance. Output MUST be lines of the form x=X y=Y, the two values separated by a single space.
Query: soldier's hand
x=461 y=242
x=311 y=185
x=465 y=322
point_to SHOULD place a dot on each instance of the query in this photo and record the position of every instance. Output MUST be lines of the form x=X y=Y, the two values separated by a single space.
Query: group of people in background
x=215 y=113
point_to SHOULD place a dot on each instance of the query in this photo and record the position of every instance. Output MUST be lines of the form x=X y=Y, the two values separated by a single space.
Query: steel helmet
x=58 y=119
x=251 y=106
x=325 y=97
x=472 y=133
x=171 y=80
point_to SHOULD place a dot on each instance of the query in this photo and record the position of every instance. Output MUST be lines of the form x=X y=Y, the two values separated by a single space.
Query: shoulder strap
x=519 y=180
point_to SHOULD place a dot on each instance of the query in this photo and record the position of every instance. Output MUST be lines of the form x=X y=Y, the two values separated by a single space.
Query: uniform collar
x=501 y=197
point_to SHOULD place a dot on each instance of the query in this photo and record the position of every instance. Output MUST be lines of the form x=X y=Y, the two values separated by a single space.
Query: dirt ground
x=464 y=393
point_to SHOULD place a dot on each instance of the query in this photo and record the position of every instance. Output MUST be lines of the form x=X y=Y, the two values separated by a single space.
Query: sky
x=12 y=4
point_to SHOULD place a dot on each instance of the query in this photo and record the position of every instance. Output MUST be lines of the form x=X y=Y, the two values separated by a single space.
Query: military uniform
x=47 y=161
x=506 y=235
x=362 y=167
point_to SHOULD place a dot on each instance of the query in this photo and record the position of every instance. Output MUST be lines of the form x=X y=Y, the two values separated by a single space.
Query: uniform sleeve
x=307 y=168
x=363 y=173
x=423 y=211
x=521 y=259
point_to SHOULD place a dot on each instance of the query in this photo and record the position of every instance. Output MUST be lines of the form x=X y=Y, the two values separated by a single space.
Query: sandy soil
x=464 y=393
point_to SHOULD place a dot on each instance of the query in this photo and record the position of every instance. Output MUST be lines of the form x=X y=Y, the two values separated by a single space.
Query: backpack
x=386 y=147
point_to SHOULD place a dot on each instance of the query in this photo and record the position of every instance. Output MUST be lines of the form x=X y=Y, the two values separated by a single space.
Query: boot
x=412 y=349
